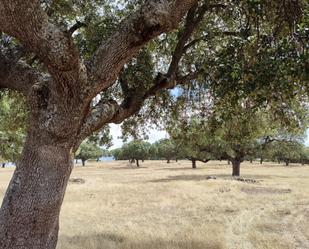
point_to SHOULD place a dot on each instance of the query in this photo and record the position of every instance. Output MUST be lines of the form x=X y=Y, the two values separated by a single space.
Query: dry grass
x=171 y=206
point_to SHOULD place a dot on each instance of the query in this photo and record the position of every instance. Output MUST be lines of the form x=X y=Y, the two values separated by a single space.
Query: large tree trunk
x=236 y=167
x=29 y=216
x=193 y=163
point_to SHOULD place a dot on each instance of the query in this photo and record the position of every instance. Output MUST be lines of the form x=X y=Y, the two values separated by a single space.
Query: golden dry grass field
x=171 y=206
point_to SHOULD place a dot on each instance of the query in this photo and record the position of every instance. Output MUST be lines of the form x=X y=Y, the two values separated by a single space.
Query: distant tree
x=231 y=132
x=304 y=155
x=192 y=140
x=166 y=149
x=153 y=152
x=136 y=150
x=287 y=151
x=88 y=150
x=117 y=154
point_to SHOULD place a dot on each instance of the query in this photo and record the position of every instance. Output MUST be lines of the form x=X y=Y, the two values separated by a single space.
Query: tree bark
x=261 y=160
x=137 y=162
x=193 y=163
x=236 y=167
x=60 y=107
x=29 y=216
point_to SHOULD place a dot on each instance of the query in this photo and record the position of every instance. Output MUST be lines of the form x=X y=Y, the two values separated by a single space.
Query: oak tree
x=60 y=74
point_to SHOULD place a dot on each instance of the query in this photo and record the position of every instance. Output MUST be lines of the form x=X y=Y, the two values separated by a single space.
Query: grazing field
x=171 y=206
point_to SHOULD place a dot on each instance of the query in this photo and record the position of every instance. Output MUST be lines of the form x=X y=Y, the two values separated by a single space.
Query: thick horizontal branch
x=18 y=75
x=110 y=112
x=98 y=116
x=26 y=21
x=154 y=17
x=77 y=26
x=193 y=19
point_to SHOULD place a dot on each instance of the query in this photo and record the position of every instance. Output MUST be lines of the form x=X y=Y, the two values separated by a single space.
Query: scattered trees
x=287 y=151
x=120 y=61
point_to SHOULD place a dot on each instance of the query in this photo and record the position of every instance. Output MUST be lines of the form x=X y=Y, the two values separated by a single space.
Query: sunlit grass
x=171 y=206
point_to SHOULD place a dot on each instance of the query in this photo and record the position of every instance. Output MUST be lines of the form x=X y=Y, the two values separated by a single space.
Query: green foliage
x=248 y=49
x=193 y=139
x=287 y=151
x=134 y=151
x=166 y=149
x=13 y=116
x=89 y=150
x=102 y=137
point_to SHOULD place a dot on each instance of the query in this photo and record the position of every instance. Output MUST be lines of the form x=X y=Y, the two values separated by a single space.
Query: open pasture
x=171 y=206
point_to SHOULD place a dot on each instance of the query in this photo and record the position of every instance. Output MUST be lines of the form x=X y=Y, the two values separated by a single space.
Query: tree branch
x=205 y=37
x=76 y=26
x=130 y=105
x=98 y=116
x=17 y=75
x=134 y=99
x=154 y=17
x=26 y=21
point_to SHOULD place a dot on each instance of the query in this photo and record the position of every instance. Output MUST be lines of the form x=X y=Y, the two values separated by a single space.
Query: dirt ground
x=113 y=205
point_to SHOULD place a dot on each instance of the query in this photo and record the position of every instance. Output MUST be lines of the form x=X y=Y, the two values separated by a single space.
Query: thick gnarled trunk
x=60 y=104
x=29 y=217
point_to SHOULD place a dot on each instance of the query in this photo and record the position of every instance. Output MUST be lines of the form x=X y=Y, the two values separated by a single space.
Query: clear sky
x=153 y=135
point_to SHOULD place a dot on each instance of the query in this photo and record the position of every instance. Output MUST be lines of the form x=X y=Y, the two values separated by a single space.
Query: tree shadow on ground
x=112 y=241
x=183 y=178
x=181 y=168
x=243 y=178
x=210 y=177
x=128 y=167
